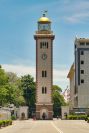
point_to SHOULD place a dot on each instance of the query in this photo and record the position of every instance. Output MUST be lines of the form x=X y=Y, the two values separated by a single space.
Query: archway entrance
x=23 y=116
x=44 y=114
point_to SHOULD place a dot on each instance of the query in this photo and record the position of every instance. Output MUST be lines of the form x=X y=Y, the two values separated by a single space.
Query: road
x=55 y=126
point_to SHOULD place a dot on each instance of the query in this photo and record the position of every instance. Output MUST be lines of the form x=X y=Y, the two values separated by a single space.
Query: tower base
x=44 y=112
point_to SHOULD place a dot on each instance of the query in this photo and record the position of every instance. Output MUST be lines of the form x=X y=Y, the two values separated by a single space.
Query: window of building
x=82 y=62
x=87 y=43
x=44 y=73
x=43 y=44
x=42 y=90
x=82 y=52
x=47 y=44
x=82 y=81
x=82 y=71
x=40 y=44
x=45 y=90
x=82 y=43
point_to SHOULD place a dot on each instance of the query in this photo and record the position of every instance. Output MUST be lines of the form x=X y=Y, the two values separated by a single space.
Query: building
x=79 y=74
x=44 y=68
x=71 y=76
x=66 y=95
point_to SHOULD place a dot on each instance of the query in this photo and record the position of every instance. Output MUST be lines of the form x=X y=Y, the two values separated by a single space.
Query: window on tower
x=47 y=44
x=44 y=73
x=40 y=44
x=44 y=45
x=44 y=90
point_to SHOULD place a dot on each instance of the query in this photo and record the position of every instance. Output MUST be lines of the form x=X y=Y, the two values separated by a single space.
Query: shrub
x=87 y=119
x=77 y=117
x=1 y=124
x=13 y=117
x=4 y=123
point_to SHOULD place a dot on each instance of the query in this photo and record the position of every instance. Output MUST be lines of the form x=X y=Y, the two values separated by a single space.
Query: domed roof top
x=44 y=19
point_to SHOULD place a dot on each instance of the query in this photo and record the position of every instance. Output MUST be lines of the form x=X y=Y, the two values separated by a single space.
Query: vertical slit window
x=40 y=44
x=42 y=73
x=42 y=90
x=43 y=44
x=45 y=73
x=45 y=90
x=47 y=44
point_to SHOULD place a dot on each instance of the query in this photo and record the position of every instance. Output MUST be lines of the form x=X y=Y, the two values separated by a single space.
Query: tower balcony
x=44 y=32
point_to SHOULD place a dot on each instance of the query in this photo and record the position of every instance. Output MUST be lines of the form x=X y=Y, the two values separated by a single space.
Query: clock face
x=44 y=56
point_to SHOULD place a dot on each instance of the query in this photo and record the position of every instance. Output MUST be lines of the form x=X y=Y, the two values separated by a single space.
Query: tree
x=58 y=100
x=15 y=93
x=3 y=90
x=10 y=91
x=28 y=86
x=3 y=77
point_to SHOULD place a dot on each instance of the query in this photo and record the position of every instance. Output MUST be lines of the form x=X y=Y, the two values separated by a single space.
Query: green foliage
x=29 y=89
x=22 y=91
x=4 y=123
x=87 y=119
x=77 y=117
x=58 y=100
x=3 y=77
x=13 y=117
x=10 y=92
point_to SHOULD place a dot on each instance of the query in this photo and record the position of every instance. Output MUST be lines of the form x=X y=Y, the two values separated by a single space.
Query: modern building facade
x=44 y=68
x=79 y=74
x=82 y=72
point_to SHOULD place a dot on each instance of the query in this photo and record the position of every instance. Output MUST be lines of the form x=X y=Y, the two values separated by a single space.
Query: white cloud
x=78 y=11
x=78 y=17
x=60 y=75
x=20 y=70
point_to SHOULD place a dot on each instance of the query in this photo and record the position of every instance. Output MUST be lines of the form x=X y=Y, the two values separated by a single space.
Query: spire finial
x=44 y=13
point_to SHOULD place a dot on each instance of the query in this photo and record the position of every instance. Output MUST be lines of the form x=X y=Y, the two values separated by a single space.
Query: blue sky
x=18 y=23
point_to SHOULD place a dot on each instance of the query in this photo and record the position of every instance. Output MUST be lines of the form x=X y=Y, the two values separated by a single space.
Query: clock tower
x=44 y=68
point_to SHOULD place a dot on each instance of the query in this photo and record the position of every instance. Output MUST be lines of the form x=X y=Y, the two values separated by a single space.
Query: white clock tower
x=44 y=69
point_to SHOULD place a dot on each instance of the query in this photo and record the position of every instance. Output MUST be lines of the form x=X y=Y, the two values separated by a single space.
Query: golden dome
x=44 y=20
